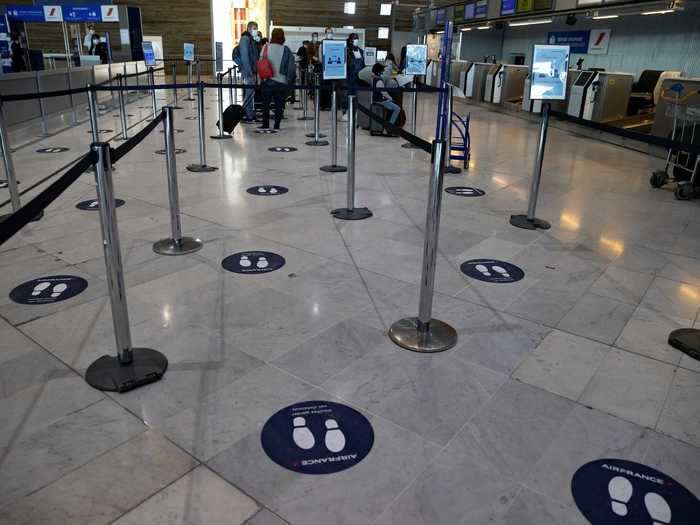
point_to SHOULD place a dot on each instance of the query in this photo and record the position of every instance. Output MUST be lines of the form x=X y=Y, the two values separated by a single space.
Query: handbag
x=264 y=66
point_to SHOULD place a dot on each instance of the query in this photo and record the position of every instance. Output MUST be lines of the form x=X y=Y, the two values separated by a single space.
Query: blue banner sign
x=25 y=13
x=576 y=40
x=3 y=24
x=482 y=9
x=82 y=13
x=507 y=7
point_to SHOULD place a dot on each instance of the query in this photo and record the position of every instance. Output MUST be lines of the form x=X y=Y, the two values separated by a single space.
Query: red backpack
x=264 y=66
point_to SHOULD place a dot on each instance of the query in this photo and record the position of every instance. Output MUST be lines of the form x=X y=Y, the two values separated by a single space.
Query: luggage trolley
x=460 y=148
x=682 y=167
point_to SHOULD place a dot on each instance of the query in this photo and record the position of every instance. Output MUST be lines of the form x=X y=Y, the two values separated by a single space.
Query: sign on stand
x=188 y=52
x=149 y=55
x=416 y=59
x=550 y=67
x=370 y=56
x=334 y=66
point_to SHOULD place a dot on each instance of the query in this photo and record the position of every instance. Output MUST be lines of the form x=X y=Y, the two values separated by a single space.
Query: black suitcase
x=232 y=116
x=375 y=127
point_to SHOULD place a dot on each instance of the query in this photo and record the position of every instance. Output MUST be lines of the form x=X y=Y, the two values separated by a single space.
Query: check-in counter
x=80 y=77
x=19 y=111
x=54 y=80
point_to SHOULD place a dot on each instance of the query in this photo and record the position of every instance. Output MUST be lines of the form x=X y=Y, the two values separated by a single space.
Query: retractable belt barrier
x=416 y=141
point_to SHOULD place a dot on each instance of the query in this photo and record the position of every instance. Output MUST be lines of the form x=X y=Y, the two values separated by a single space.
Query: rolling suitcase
x=376 y=128
x=364 y=98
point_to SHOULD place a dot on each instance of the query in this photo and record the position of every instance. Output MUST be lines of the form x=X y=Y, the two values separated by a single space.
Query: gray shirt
x=275 y=52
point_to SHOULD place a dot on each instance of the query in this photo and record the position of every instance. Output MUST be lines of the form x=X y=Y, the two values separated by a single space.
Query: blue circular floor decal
x=103 y=130
x=57 y=149
x=317 y=437
x=617 y=492
x=190 y=118
x=492 y=271
x=253 y=262
x=282 y=149
x=93 y=205
x=266 y=131
x=465 y=191
x=47 y=290
x=178 y=151
x=267 y=190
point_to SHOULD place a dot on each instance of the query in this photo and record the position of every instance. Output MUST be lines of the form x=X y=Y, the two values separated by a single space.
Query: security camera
x=571 y=20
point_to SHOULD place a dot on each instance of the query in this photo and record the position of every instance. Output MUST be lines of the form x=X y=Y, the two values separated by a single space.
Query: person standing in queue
x=355 y=60
x=283 y=71
x=246 y=57
x=17 y=54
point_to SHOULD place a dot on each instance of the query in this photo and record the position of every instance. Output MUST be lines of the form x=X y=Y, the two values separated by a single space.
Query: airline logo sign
x=599 y=42
x=110 y=13
x=53 y=13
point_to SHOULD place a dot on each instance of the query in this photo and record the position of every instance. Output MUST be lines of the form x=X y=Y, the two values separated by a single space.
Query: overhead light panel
x=605 y=17
x=385 y=9
x=349 y=8
x=348 y=27
x=661 y=12
x=484 y=27
x=466 y=29
x=530 y=22
x=383 y=33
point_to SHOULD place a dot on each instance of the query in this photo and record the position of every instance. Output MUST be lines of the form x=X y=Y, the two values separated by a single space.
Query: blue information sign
x=334 y=67
x=188 y=52
x=576 y=40
x=482 y=9
x=149 y=56
x=25 y=13
x=3 y=24
x=82 y=13
x=508 y=7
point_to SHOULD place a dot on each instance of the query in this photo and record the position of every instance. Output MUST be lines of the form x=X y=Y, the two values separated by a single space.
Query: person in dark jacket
x=249 y=54
x=355 y=60
x=17 y=54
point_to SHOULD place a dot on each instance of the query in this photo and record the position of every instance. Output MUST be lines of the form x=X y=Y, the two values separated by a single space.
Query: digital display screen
x=469 y=11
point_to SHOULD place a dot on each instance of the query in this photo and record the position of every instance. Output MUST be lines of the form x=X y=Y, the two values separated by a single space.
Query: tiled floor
x=564 y=367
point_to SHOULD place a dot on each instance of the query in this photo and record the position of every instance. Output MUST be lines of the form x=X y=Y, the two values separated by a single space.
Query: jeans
x=395 y=109
x=276 y=91
x=249 y=96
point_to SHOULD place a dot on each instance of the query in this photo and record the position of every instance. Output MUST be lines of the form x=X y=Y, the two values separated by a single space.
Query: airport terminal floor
x=567 y=366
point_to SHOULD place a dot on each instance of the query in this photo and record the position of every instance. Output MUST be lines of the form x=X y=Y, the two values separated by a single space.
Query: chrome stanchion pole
x=176 y=244
x=131 y=367
x=74 y=111
x=230 y=85
x=202 y=166
x=449 y=168
x=305 y=102
x=317 y=119
x=221 y=135
x=175 y=106
x=92 y=107
x=42 y=109
x=300 y=92
x=414 y=117
x=350 y=213
x=8 y=163
x=334 y=168
x=529 y=221
x=111 y=85
x=189 y=98
x=154 y=101
x=237 y=81
x=424 y=334
x=122 y=109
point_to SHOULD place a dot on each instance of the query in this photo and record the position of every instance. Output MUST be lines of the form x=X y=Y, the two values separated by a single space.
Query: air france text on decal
x=331 y=459
x=633 y=474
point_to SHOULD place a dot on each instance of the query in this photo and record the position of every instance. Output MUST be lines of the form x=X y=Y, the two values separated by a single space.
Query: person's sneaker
x=344 y=117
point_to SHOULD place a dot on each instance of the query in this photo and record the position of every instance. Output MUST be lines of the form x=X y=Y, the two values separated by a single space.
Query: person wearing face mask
x=87 y=41
x=313 y=54
x=246 y=56
x=355 y=60
x=17 y=54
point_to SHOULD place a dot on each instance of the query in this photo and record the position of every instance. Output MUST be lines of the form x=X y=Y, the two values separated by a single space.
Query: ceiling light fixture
x=484 y=27
x=662 y=12
x=605 y=17
x=530 y=22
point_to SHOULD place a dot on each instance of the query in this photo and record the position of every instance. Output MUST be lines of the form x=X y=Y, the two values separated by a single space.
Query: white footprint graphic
x=262 y=263
x=465 y=191
x=93 y=204
x=335 y=439
x=501 y=270
x=40 y=288
x=262 y=190
x=620 y=490
x=483 y=269
x=302 y=435
x=657 y=508
x=245 y=262
x=273 y=190
x=59 y=289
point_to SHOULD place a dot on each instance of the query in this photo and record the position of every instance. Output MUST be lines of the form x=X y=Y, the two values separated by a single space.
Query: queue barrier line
x=413 y=139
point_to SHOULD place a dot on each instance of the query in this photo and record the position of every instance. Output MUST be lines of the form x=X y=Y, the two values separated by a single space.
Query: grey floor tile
x=622 y=285
x=673 y=298
x=629 y=386
x=28 y=370
x=647 y=331
x=598 y=318
x=198 y=498
x=265 y=517
x=681 y=414
x=562 y=364
x=679 y=460
x=531 y=508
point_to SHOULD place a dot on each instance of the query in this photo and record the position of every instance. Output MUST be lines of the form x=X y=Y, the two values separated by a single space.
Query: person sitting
x=276 y=87
x=382 y=97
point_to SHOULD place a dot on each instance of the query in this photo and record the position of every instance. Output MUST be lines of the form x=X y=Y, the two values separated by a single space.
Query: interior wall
x=477 y=44
x=400 y=39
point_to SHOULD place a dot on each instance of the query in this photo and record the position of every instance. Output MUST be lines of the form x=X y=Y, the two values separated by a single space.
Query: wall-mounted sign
x=599 y=41
x=188 y=52
x=440 y=17
x=110 y=13
x=370 y=56
x=57 y=13
x=550 y=67
x=576 y=40
x=25 y=13
x=53 y=13
x=334 y=67
x=82 y=13
x=481 y=9
x=416 y=59
x=508 y=7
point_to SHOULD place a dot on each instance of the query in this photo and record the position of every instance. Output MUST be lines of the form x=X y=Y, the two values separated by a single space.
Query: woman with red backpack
x=276 y=69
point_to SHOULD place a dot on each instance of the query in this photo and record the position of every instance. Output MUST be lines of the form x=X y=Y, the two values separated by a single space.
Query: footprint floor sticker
x=253 y=262
x=93 y=205
x=492 y=271
x=616 y=492
x=178 y=151
x=282 y=149
x=267 y=190
x=266 y=131
x=46 y=290
x=317 y=437
x=465 y=191
x=56 y=149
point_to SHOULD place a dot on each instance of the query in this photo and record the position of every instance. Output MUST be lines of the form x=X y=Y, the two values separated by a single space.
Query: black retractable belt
x=417 y=141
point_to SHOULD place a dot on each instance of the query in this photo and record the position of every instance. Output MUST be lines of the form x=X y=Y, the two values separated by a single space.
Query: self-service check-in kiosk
x=491 y=78
x=535 y=106
x=582 y=95
x=509 y=83
x=476 y=80
x=600 y=96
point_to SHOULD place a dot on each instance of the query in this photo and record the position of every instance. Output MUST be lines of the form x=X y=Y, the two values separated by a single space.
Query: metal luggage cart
x=682 y=167
x=460 y=147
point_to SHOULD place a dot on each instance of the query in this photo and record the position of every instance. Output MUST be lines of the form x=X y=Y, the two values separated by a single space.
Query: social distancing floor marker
x=178 y=151
x=267 y=190
x=93 y=205
x=317 y=437
x=47 y=290
x=492 y=271
x=465 y=191
x=253 y=262
x=282 y=149
x=57 y=149
x=266 y=131
x=102 y=131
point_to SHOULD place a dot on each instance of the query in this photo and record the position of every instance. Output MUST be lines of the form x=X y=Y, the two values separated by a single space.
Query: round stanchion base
x=312 y=135
x=356 y=214
x=333 y=168
x=220 y=137
x=37 y=217
x=181 y=247
x=687 y=340
x=305 y=118
x=190 y=99
x=109 y=375
x=439 y=337
x=453 y=170
x=317 y=143
x=409 y=145
x=201 y=168
x=177 y=107
x=521 y=221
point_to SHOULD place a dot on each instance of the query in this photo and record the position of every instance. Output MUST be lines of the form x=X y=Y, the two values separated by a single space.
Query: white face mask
x=356 y=42
x=314 y=39
x=254 y=32
x=329 y=34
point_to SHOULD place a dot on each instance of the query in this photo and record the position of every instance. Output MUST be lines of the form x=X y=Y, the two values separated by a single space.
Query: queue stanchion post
x=152 y=81
x=202 y=167
x=529 y=221
x=92 y=109
x=174 y=69
x=317 y=118
x=449 y=168
x=42 y=109
x=230 y=85
x=176 y=244
x=351 y=213
x=414 y=117
x=237 y=80
x=8 y=164
x=220 y=104
x=74 y=110
x=122 y=108
x=300 y=92
x=333 y=167
x=305 y=102
x=131 y=367
x=111 y=85
x=423 y=334
x=190 y=97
